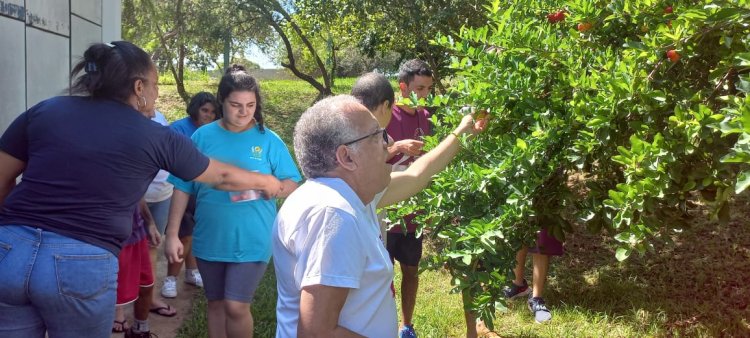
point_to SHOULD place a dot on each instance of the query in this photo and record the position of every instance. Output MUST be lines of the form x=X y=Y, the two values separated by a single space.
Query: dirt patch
x=167 y=327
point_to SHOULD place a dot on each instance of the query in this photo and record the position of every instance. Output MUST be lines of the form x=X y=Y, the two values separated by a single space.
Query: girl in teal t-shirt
x=232 y=236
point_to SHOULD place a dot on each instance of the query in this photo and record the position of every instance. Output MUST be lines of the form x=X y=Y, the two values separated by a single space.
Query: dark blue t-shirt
x=88 y=162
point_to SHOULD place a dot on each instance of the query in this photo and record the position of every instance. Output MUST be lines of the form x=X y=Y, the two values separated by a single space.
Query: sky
x=254 y=54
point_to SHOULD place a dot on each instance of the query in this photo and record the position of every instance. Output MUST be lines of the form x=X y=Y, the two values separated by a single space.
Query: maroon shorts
x=547 y=244
x=135 y=271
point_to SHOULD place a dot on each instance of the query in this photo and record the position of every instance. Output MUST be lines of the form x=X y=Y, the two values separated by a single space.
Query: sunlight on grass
x=440 y=314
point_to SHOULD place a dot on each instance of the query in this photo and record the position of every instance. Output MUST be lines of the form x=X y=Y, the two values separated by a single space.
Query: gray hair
x=320 y=130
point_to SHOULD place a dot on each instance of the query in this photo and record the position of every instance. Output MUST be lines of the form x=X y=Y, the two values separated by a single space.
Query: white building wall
x=12 y=69
x=41 y=40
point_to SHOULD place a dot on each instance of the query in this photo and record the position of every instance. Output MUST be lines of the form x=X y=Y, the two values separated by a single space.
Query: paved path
x=166 y=327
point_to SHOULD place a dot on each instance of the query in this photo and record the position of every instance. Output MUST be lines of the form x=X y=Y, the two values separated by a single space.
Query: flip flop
x=122 y=328
x=165 y=311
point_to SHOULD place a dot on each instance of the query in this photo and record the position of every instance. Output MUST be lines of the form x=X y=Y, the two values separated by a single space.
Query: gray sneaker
x=540 y=311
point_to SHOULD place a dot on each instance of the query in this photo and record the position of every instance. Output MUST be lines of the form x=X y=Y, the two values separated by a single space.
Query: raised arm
x=408 y=183
x=223 y=176
x=408 y=147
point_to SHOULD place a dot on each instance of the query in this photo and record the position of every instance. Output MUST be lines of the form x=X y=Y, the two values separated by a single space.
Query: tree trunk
x=179 y=79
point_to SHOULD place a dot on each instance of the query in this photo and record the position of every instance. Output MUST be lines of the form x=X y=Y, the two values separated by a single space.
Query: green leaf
x=520 y=143
x=743 y=181
x=623 y=254
x=724 y=14
x=736 y=157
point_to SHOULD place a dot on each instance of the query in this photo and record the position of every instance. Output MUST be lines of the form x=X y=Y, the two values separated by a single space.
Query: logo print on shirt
x=256 y=152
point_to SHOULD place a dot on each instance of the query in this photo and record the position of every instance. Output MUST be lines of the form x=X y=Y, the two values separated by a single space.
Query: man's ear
x=344 y=158
x=403 y=86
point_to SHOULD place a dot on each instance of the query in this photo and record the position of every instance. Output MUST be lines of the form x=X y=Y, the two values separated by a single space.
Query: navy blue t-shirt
x=88 y=162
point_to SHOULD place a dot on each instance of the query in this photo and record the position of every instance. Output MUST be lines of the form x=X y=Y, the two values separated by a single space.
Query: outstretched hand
x=473 y=123
x=409 y=147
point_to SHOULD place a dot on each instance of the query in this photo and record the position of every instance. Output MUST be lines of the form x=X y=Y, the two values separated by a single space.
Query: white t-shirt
x=324 y=235
x=159 y=190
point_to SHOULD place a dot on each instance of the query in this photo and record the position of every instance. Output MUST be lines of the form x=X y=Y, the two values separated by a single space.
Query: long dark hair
x=197 y=101
x=236 y=78
x=111 y=69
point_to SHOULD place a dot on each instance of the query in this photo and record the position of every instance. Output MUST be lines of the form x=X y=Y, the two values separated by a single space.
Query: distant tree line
x=316 y=40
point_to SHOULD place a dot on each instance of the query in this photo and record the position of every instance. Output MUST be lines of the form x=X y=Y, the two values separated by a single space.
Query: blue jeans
x=49 y=282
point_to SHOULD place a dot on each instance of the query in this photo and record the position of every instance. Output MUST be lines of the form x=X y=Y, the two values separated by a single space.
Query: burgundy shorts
x=135 y=271
x=547 y=244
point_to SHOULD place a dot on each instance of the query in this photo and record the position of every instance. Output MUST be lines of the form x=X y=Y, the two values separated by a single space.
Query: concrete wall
x=40 y=42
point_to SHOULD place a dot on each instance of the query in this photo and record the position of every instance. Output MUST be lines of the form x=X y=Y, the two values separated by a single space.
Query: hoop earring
x=144 y=102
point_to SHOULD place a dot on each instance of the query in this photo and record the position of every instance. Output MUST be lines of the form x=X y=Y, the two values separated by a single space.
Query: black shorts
x=188 y=220
x=406 y=249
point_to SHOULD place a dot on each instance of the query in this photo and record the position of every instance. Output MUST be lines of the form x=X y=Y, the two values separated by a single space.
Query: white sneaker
x=169 y=288
x=193 y=276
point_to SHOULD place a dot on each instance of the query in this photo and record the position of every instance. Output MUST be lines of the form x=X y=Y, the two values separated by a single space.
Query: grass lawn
x=696 y=287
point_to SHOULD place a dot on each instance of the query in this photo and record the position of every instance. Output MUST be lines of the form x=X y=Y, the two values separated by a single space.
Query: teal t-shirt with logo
x=227 y=231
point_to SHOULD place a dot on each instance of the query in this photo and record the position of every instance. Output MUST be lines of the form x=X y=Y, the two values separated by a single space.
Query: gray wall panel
x=88 y=9
x=12 y=71
x=53 y=16
x=83 y=33
x=111 y=20
x=47 y=65
x=13 y=8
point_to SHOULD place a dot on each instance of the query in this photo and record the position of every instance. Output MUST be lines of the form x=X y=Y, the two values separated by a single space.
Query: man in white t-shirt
x=333 y=272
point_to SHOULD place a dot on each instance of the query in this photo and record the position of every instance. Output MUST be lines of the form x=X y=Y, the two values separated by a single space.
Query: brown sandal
x=165 y=311
x=123 y=326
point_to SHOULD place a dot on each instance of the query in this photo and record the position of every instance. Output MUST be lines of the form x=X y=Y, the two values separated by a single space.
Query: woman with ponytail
x=232 y=234
x=86 y=161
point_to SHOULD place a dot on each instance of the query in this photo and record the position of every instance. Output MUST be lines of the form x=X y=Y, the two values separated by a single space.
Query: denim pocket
x=84 y=276
x=4 y=249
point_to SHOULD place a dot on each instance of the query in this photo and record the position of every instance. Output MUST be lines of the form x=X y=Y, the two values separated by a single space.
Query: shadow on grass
x=696 y=287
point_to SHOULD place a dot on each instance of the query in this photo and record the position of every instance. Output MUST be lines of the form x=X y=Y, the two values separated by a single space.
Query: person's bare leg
x=120 y=324
x=173 y=269
x=536 y=304
x=520 y=268
x=143 y=304
x=190 y=261
x=216 y=319
x=141 y=307
x=541 y=265
x=239 y=319
x=409 y=286
x=156 y=301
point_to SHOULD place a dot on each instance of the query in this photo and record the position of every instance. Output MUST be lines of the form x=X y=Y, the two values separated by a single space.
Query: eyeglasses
x=380 y=130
